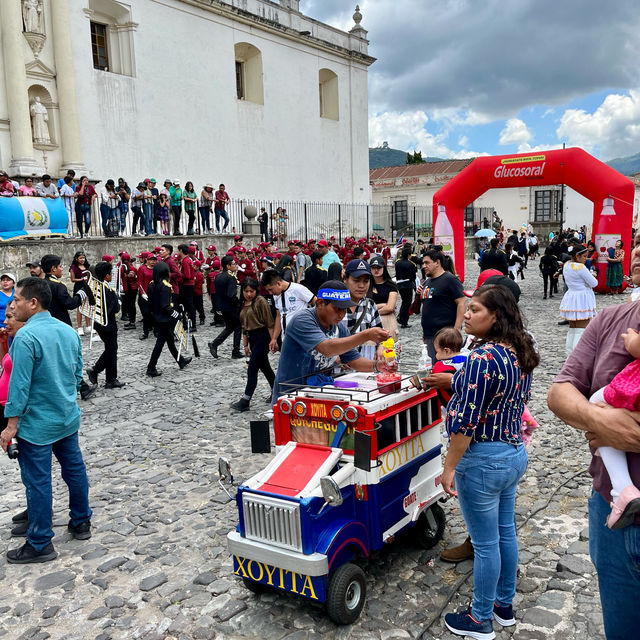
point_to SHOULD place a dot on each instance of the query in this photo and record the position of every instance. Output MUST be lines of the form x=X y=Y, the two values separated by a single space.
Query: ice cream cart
x=355 y=466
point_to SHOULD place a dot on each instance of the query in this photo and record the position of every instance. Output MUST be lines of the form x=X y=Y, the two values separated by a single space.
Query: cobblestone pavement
x=157 y=565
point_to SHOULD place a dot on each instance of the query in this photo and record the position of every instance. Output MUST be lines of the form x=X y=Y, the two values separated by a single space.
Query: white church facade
x=249 y=93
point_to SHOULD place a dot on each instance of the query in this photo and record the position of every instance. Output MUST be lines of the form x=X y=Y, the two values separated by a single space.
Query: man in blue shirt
x=315 y=339
x=43 y=413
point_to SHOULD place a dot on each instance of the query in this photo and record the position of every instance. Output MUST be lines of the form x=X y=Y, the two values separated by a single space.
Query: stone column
x=22 y=157
x=66 y=83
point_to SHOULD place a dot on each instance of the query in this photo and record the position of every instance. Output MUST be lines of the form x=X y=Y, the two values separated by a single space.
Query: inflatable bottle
x=443 y=232
x=607 y=233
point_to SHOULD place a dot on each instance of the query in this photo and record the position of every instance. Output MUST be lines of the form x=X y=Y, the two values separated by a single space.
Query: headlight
x=285 y=406
x=351 y=414
x=336 y=412
x=300 y=409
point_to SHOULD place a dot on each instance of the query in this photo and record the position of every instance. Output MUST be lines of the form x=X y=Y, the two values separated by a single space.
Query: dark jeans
x=205 y=212
x=165 y=336
x=616 y=557
x=406 y=295
x=186 y=300
x=138 y=218
x=148 y=218
x=259 y=360
x=231 y=326
x=108 y=360
x=35 y=468
x=547 y=278
x=198 y=303
x=221 y=213
x=83 y=216
x=191 y=213
x=124 y=209
x=176 y=210
x=106 y=213
x=129 y=305
x=145 y=312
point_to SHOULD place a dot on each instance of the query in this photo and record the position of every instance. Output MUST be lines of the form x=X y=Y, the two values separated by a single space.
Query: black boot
x=183 y=361
x=153 y=373
x=213 y=348
x=241 y=405
x=236 y=355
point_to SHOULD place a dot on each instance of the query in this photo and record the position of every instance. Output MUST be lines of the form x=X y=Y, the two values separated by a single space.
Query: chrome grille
x=272 y=520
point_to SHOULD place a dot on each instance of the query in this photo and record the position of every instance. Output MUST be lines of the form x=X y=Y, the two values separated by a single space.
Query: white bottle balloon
x=443 y=232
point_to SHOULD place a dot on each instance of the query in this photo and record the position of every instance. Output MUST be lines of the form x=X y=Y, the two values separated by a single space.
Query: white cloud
x=406 y=130
x=463 y=141
x=612 y=130
x=515 y=132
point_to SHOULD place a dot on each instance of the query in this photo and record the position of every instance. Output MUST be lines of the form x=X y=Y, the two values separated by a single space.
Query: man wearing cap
x=329 y=255
x=137 y=204
x=187 y=284
x=443 y=300
x=317 y=337
x=129 y=281
x=145 y=276
x=364 y=315
x=175 y=199
x=35 y=269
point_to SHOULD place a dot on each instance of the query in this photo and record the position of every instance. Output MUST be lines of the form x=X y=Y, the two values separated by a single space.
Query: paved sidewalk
x=157 y=565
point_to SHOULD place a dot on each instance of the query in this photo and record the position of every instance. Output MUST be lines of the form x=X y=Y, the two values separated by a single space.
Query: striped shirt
x=371 y=318
x=489 y=394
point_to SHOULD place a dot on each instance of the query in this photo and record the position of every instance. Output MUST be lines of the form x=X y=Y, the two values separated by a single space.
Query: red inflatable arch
x=611 y=193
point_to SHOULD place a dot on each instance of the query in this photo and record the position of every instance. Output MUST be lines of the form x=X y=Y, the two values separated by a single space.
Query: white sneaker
x=96 y=338
x=268 y=414
x=80 y=331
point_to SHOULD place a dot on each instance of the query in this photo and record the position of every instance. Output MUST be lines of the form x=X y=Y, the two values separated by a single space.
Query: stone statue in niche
x=40 y=122
x=32 y=16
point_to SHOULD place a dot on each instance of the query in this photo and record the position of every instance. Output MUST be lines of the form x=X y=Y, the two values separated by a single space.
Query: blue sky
x=457 y=78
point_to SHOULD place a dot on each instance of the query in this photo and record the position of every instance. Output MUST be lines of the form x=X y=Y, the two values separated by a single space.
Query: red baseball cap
x=197 y=263
x=211 y=247
x=237 y=238
x=323 y=243
x=107 y=258
x=192 y=249
x=125 y=255
x=487 y=273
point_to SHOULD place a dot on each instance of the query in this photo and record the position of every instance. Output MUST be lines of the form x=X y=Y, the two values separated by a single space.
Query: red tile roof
x=424 y=169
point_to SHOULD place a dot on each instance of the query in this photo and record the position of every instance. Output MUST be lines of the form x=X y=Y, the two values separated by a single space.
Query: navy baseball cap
x=358 y=267
x=336 y=292
x=377 y=261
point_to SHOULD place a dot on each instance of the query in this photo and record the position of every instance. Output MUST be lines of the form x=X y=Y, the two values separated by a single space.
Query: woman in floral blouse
x=486 y=455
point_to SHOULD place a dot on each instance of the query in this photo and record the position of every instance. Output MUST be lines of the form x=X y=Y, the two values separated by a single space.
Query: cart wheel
x=346 y=594
x=429 y=528
x=255 y=587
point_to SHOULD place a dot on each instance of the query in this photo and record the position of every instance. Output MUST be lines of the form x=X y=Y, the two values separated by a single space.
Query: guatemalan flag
x=26 y=216
x=400 y=241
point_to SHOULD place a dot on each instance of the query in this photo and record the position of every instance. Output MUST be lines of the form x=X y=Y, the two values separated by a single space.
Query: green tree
x=415 y=158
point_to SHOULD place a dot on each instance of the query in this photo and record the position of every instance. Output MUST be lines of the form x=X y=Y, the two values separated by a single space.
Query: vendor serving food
x=316 y=338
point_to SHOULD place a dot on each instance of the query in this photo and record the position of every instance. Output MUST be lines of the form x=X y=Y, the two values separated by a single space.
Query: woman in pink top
x=27 y=189
x=12 y=325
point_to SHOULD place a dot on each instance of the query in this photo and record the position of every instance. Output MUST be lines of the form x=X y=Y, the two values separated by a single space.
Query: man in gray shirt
x=46 y=188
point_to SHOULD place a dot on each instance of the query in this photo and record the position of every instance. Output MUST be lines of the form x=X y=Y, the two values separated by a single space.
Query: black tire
x=428 y=533
x=346 y=594
x=255 y=587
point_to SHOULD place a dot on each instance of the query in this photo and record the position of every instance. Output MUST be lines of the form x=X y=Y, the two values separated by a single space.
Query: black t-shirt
x=405 y=274
x=314 y=276
x=439 y=307
x=379 y=293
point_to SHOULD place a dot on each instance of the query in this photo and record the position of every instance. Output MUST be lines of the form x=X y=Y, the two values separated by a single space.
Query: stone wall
x=16 y=253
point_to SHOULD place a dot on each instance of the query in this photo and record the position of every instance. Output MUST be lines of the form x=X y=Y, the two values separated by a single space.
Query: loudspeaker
x=260 y=437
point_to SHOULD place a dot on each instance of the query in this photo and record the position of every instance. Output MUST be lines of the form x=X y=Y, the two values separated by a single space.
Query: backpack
x=112 y=227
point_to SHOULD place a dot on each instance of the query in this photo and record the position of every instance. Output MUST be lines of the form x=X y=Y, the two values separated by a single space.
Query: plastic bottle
x=12 y=449
x=424 y=363
x=443 y=232
x=389 y=354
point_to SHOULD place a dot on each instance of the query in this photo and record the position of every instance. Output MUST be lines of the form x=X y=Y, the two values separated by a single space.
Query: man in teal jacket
x=43 y=413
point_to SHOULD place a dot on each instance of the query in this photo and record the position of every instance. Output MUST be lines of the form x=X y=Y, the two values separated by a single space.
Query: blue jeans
x=486 y=479
x=83 y=215
x=616 y=556
x=106 y=213
x=221 y=213
x=35 y=468
x=124 y=209
x=148 y=218
x=204 y=216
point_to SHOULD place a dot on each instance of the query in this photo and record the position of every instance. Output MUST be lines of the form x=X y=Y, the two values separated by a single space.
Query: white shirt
x=296 y=298
x=67 y=193
x=106 y=198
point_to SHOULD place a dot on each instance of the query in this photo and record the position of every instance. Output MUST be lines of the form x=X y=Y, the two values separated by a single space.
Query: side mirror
x=224 y=473
x=330 y=492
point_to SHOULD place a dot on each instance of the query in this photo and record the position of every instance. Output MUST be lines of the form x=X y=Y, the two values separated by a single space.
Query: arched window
x=111 y=32
x=249 y=73
x=328 y=93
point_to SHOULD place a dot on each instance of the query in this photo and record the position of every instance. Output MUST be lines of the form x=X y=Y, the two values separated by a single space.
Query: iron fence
x=300 y=220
